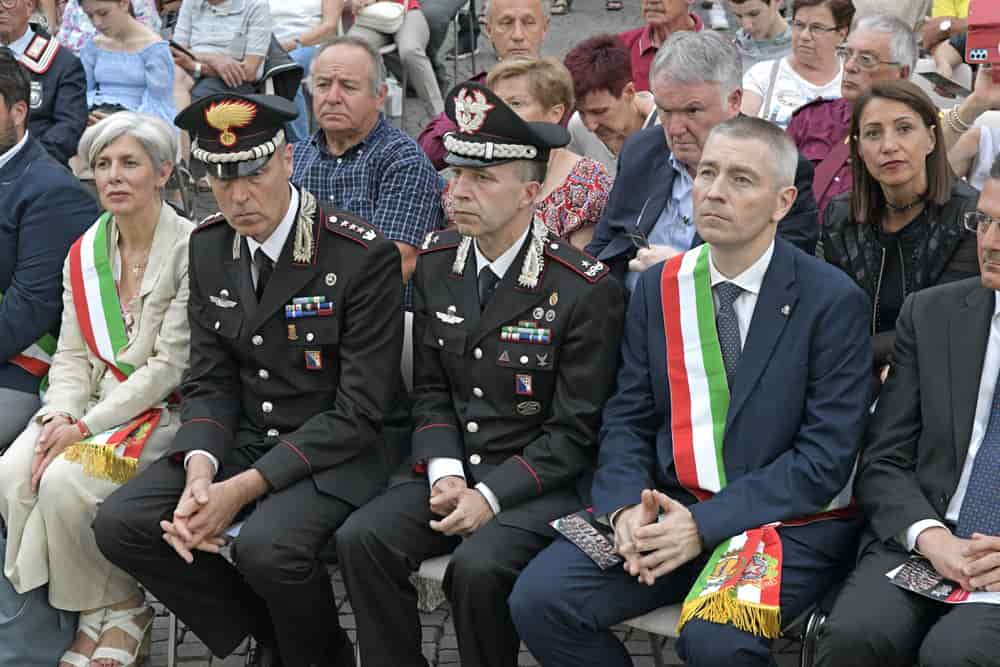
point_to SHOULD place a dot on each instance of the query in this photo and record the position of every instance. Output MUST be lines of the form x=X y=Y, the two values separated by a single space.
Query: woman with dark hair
x=900 y=229
x=774 y=89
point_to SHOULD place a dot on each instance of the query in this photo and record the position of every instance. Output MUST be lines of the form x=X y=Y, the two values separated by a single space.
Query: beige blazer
x=81 y=385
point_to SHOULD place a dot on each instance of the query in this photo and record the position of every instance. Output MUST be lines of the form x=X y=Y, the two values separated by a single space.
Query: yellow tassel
x=724 y=608
x=100 y=462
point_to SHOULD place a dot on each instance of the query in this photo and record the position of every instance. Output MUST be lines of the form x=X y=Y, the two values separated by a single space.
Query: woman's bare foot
x=124 y=630
x=83 y=646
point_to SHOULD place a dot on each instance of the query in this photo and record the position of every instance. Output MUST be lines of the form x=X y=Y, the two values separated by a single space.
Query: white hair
x=903 y=46
x=697 y=57
x=158 y=139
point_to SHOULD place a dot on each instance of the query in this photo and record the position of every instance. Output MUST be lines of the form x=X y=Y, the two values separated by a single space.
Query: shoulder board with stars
x=440 y=240
x=578 y=262
x=351 y=227
x=40 y=54
x=211 y=220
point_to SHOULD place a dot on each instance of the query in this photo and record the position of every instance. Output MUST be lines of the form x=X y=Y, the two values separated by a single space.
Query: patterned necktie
x=980 y=511
x=265 y=267
x=728 y=327
x=487 y=284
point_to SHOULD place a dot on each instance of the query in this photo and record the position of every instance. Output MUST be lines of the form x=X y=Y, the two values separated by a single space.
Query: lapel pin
x=292 y=333
x=538 y=313
x=504 y=357
x=543 y=360
x=331 y=279
x=786 y=310
x=550 y=315
x=554 y=298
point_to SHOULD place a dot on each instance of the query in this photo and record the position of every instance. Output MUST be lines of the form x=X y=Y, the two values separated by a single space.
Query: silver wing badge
x=222 y=303
x=450 y=317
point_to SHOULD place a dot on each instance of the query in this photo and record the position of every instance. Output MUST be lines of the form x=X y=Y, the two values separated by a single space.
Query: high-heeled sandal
x=90 y=624
x=124 y=620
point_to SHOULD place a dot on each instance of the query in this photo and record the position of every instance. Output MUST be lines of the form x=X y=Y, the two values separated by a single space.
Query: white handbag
x=385 y=16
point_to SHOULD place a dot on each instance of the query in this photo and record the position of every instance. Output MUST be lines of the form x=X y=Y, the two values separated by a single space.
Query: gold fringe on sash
x=100 y=462
x=724 y=607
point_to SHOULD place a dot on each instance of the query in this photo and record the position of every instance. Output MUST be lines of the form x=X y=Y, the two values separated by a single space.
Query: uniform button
x=475 y=459
x=263 y=374
x=472 y=427
x=440 y=342
x=554 y=246
x=223 y=293
x=524 y=359
x=477 y=353
x=217 y=325
x=310 y=337
x=477 y=392
x=266 y=407
x=333 y=218
x=272 y=433
x=257 y=340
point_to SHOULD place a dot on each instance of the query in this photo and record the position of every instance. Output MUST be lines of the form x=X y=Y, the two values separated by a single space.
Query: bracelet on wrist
x=84 y=431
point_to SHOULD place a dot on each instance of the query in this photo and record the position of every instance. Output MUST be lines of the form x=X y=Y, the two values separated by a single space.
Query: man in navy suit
x=793 y=338
x=697 y=84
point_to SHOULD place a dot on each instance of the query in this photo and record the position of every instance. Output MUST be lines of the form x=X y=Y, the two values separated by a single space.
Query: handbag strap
x=770 y=89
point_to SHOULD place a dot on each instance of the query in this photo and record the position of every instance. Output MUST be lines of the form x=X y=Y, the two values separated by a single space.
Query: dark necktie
x=728 y=327
x=265 y=267
x=980 y=512
x=487 y=285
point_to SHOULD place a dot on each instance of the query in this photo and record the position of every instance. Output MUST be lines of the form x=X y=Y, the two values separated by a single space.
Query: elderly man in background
x=663 y=18
x=58 y=100
x=696 y=81
x=609 y=109
x=357 y=160
x=517 y=28
x=878 y=48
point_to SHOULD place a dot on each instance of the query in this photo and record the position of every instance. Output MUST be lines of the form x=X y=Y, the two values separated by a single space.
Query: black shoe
x=264 y=655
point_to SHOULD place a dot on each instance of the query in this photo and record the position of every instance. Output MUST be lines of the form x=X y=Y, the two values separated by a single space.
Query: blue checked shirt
x=386 y=179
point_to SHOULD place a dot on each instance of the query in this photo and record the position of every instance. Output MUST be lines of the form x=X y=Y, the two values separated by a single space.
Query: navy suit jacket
x=643 y=185
x=43 y=210
x=796 y=418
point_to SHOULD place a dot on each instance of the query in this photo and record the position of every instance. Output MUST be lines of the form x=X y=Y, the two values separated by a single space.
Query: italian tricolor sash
x=741 y=583
x=37 y=358
x=113 y=454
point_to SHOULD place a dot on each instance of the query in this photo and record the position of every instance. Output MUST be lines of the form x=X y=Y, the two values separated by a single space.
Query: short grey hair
x=158 y=139
x=546 y=9
x=378 y=70
x=782 y=154
x=903 y=46
x=698 y=57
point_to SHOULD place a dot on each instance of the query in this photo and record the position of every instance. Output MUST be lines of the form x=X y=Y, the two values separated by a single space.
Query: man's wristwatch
x=196 y=72
x=945 y=26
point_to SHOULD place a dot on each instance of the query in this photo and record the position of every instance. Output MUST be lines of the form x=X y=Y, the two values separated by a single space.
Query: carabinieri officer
x=296 y=332
x=515 y=351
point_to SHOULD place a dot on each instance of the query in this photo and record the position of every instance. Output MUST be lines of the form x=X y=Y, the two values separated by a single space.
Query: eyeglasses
x=863 y=59
x=977 y=221
x=9 y=4
x=814 y=28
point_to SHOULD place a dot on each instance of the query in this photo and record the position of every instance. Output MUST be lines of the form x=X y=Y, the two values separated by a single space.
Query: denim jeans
x=298 y=129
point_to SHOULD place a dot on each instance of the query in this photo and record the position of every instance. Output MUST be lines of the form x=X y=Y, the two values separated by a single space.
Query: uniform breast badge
x=522 y=384
x=450 y=317
x=526 y=332
x=314 y=360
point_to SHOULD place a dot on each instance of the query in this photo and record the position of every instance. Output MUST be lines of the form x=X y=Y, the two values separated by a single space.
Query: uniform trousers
x=385 y=541
x=276 y=588
x=49 y=540
x=564 y=607
x=875 y=623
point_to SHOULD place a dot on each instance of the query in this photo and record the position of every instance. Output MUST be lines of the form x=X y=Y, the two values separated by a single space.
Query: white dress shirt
x=750 y=281
x=272 y=248
x=20 y=44
x=984 y=404
x=439 y=467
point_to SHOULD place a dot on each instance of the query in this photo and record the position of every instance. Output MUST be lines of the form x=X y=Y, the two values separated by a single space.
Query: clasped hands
x=464 y=510
x=57 y=434
x=206 y=508
x=654 y=545
x=973 y=563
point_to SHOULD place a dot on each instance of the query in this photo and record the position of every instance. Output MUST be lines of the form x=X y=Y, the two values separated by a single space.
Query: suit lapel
x=969 y=333
x=163 y=239
x=464 y=290
x=777 y=291
x=238 y=275
x=652 y=209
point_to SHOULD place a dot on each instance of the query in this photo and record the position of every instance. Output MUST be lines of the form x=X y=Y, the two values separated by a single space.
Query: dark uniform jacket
x=522 y=417
x=310 y=400
x=43 y=210
x=58 y=103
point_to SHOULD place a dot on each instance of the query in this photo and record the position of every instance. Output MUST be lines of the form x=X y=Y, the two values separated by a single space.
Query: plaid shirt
x=386 y=179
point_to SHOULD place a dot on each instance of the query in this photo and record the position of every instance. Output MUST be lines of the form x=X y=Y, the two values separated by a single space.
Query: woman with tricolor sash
x=108 y=409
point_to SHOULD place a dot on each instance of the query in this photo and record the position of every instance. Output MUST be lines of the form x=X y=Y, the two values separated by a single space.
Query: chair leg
x=172 y=639
x=473 y=26
x=454 y=48
x=807 y=656
x=656 y=649
x=402 y=105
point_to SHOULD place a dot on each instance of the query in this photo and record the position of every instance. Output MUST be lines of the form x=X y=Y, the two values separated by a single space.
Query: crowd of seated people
x=682 y=318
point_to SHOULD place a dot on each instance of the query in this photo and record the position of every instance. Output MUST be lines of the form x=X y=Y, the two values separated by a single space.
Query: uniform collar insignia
x=304 y=243
x=534 y=257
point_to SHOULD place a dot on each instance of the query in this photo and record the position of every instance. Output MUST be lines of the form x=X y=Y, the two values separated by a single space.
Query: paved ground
x=588 y=17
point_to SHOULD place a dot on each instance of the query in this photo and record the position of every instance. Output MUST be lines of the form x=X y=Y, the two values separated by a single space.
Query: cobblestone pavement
x=588 y=17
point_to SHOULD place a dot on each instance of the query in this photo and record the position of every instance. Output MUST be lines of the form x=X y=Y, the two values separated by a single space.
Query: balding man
x=517 y=28
x=879 y=47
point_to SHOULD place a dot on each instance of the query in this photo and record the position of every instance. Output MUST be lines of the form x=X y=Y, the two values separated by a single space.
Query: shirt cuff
x=610 y=518
x=909 y=540
x=215 y=461
x=442 y=466
x=490 y=498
